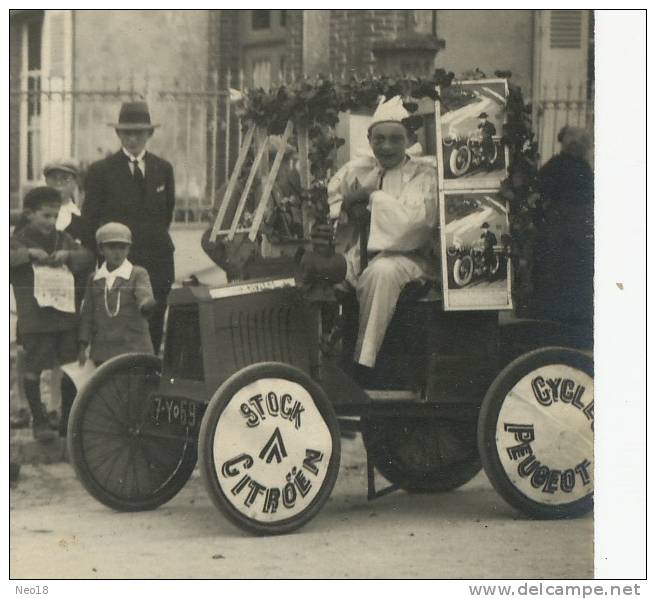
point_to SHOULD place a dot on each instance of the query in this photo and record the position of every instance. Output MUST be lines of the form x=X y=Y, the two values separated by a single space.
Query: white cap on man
x=389 y=111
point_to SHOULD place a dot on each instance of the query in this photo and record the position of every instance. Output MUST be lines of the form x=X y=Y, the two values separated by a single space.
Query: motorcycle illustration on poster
x=475 y=251
x=472 y=115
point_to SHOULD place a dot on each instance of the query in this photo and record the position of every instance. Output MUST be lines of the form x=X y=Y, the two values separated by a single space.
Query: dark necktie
x=137 y=174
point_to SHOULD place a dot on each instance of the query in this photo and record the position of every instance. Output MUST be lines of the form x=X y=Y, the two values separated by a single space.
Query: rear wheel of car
x=422 y=455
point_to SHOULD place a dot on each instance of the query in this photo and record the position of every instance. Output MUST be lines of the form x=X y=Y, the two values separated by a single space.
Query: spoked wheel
x=422 y=455
x=494 y=155
x=121 y=454
x=495 y=266
x=269 y=448
x=460 y=160
x=463 y=270
x=535 y=433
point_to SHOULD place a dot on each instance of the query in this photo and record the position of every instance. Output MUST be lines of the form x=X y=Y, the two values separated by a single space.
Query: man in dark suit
x=487 y=132
x=489 y=241
x=136 y=188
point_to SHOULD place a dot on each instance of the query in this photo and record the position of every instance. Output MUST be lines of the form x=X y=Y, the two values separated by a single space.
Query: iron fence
x=197 y=134
x=200 y=132
x=559 y=106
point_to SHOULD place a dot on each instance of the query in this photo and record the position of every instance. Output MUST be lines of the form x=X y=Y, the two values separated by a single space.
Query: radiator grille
x=183 y=353
x=262 y=335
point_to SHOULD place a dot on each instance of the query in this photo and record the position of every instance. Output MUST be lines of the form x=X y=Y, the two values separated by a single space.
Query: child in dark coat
x=117 y=302
x=42 y=260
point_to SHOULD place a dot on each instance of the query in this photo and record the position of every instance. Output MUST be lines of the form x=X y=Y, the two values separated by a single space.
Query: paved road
x=58 y=531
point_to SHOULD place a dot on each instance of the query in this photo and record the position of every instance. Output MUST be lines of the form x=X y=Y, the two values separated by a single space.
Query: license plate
x=175 y=411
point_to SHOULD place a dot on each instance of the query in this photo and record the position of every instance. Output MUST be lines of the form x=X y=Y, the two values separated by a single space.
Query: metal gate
x=559 y=106
x=197 y=134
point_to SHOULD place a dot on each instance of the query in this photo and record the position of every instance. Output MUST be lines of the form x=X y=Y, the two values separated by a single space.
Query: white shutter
x=57 y=79
x=560 y=74
x=566 y=29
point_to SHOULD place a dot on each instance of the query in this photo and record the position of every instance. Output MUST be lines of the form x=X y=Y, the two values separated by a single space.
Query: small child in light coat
x=117 y=302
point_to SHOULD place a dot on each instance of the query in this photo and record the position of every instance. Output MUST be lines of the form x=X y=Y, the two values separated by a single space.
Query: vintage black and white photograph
x=286 y=300
x=476 y=250
x=472 y=118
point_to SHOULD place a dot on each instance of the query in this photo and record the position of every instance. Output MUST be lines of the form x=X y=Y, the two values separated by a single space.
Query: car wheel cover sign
x=544 y=435
x=271 y=450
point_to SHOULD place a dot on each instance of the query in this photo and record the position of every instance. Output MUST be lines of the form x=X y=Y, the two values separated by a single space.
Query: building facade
x=70 y=70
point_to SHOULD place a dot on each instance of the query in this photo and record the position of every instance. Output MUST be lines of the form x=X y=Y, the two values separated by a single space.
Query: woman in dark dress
x=565 y=269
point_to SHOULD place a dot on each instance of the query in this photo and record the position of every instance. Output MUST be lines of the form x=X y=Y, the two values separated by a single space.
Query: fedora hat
x=483 y=115
x=134 y=115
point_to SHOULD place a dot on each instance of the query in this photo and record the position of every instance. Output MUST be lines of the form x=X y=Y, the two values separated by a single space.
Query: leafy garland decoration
x=316 y=104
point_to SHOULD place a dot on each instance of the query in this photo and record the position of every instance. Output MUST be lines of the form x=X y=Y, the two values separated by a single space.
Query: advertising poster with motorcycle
x=472 y=115
x=475 y=238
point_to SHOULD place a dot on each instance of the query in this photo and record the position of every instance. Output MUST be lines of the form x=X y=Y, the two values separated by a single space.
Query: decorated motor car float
x=256 y=382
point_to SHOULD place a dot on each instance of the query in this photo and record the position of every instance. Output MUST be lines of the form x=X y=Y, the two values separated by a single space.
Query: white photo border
x=443 y=253
x=466 y=184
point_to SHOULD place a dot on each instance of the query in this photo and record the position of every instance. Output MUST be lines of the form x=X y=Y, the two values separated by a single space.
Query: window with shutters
x=261 y=19
x=262 y=74
x=263 y=43
x=57 y=45
x=566 y=29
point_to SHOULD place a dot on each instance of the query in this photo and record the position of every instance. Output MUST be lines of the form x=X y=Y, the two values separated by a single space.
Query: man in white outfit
x=396 y=196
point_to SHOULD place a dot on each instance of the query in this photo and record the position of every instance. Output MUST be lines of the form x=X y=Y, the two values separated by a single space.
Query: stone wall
x=150 y=51
x=354 y=32
x=490 y=40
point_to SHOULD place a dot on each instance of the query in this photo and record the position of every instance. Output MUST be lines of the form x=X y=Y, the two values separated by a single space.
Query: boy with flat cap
x=136 y=188
x=42 y=260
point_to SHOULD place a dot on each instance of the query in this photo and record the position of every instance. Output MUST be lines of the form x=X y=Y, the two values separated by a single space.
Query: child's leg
x=66 y=353
x=20 y=375
x=68 y=392
x=40 y=427
x=38 y=349
x=54 y=400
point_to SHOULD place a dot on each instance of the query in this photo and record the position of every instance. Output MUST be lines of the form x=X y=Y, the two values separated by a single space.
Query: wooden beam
x=303 y=156
x=273 y=173
x=263 y=144
x=243 y=152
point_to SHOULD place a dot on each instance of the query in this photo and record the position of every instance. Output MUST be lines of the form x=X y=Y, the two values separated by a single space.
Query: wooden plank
x=239 y=230
x=273 y=173
x=303 y=156
x=243 y=152
x=261 y=136
x=247 y=187
x=305 y=176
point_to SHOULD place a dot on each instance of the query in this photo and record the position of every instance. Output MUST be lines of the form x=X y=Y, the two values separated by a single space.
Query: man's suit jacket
x=112 y=195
